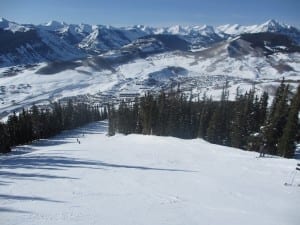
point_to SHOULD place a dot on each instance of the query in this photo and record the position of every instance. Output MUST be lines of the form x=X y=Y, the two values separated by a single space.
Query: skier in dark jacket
x=262 y=150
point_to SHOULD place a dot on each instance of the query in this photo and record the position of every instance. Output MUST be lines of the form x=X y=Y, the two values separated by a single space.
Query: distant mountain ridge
x=59 y=41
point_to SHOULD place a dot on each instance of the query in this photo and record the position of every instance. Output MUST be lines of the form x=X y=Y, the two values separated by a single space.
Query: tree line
x=247 y=123
x=36 y=123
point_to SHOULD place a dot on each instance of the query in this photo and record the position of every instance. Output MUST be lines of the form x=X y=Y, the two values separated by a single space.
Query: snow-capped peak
x=177 y=29
x=55 y=25
x=206 y=30
x=3 y=23
x=271 y=26
x=272 y=23
x=230 y=29
x=85 y=28
x=2 y=20
x=12 y=26
x=143 y=28
x=268 y=26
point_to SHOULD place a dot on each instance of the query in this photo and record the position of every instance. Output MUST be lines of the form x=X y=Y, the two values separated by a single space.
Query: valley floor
x=143 y=180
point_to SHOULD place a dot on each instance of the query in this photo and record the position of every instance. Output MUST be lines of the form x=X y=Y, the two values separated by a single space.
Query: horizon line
x=183 y=24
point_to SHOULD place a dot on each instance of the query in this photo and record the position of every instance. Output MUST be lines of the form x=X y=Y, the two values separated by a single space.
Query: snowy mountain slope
x=34 y=46
x=104 y=38
x=271 y=26
x=72 y=33
x=139 y=179
x=12 y=26
x=268 y=26
x=29 y=87
x=197 y=36
x=256 y=44
x=60 y=41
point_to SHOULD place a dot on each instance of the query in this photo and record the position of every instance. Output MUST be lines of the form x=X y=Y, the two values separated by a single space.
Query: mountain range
x=54 y=60
x=55 y=41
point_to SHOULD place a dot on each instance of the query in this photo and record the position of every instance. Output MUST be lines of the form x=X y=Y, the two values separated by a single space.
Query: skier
x=262 y=150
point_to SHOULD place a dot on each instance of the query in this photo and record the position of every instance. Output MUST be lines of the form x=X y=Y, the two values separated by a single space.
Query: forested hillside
x=246 y=123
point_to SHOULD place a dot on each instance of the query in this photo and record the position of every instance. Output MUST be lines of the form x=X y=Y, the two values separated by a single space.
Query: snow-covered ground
x=139 y=179
x=28 y=87
x=200 y=75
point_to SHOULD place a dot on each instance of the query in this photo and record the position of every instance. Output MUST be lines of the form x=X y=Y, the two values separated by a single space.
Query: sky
x=152 y=12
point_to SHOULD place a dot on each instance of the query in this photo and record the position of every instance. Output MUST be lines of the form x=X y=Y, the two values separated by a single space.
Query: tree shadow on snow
x=52 y=162
x=46 y=162
x=27 y=198
x=23 y=198
x=2 y=183
x=62 y=162
x=142 y=167
x=9 y=210
x=30 y=176
x=43 y=163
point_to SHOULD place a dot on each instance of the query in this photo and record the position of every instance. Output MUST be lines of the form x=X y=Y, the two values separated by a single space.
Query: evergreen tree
x=146 y=105
x=162 y=114
x=247 y=120
x=233 y=123
x=25 y=126
x=104 y=114
x=263 y=106
x=286 y=146
x=111 y=121
x=218 y=129
x=57 y=117
x=277 y=119
x=4 y=139
x=67 y=115
x=37 y=123
x=14 y=130
x=238 y=124
x=205 y=113
x=124 y=118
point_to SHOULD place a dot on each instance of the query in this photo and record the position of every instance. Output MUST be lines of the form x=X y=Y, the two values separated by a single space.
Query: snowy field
x=143 y=180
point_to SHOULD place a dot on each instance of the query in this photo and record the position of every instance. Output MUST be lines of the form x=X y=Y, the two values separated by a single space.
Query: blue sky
x=152 y=12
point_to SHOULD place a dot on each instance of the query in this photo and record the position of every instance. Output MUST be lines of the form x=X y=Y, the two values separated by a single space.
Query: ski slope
x=145 y=180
